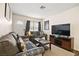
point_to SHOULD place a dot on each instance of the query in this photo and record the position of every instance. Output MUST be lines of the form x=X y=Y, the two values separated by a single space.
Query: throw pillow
x=21 y=45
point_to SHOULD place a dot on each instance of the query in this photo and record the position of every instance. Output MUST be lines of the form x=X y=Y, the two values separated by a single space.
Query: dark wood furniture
x=63 y=42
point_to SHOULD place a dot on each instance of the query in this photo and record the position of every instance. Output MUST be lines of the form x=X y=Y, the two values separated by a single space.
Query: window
x=33 y=26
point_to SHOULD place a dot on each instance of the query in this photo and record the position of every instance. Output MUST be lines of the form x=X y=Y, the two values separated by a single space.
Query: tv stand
x=62 y=41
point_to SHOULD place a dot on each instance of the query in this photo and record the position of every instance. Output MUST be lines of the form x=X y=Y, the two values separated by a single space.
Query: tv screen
x=61 y=29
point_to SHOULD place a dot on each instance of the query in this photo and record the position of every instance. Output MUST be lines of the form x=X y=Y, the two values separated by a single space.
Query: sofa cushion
x=35 y=51
x=29 y=45
x=22 y=45
x=35 y=34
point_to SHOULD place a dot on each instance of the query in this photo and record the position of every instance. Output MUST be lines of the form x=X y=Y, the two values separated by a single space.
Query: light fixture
x=42 y=7
x=29 y=34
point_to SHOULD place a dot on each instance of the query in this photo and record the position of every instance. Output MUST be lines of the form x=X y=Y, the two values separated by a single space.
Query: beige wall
x=5 y=25
x=20 y=28
x=70 y=16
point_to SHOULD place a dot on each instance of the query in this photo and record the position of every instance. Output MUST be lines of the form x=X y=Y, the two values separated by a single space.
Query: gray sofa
x=9 y=47
x=39 y=34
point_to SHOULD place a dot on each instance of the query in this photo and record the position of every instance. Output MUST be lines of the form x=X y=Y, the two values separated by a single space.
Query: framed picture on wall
x=46 y=25
x=7 y=11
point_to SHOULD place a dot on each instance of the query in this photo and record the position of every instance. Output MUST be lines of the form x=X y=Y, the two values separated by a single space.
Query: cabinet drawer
x=66 y=44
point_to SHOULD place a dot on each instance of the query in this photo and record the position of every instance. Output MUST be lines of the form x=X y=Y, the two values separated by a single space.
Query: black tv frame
x=61 y=29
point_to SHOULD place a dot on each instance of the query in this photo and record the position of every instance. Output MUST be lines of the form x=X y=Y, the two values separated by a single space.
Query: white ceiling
x=33 y=9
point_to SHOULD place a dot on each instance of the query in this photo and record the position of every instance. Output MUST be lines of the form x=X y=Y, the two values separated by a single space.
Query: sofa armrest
x=35 y=51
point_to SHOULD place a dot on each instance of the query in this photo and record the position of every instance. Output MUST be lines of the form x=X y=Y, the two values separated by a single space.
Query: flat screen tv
x=61 y=29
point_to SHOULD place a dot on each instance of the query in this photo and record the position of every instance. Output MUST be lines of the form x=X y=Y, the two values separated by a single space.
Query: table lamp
x=29 y=35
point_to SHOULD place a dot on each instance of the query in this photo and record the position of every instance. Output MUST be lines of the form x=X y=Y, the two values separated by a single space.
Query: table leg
x=50 y=46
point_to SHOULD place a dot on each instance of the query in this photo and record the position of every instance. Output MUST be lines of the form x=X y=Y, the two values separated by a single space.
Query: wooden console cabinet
x=61 y=42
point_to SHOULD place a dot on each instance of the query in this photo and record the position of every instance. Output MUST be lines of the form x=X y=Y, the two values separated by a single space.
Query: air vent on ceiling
x=42 y=7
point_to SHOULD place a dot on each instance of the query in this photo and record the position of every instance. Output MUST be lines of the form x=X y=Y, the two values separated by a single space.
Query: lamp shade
x=29 y=33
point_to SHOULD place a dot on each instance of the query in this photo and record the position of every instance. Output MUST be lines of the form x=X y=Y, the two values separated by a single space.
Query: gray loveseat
x=9 y=47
